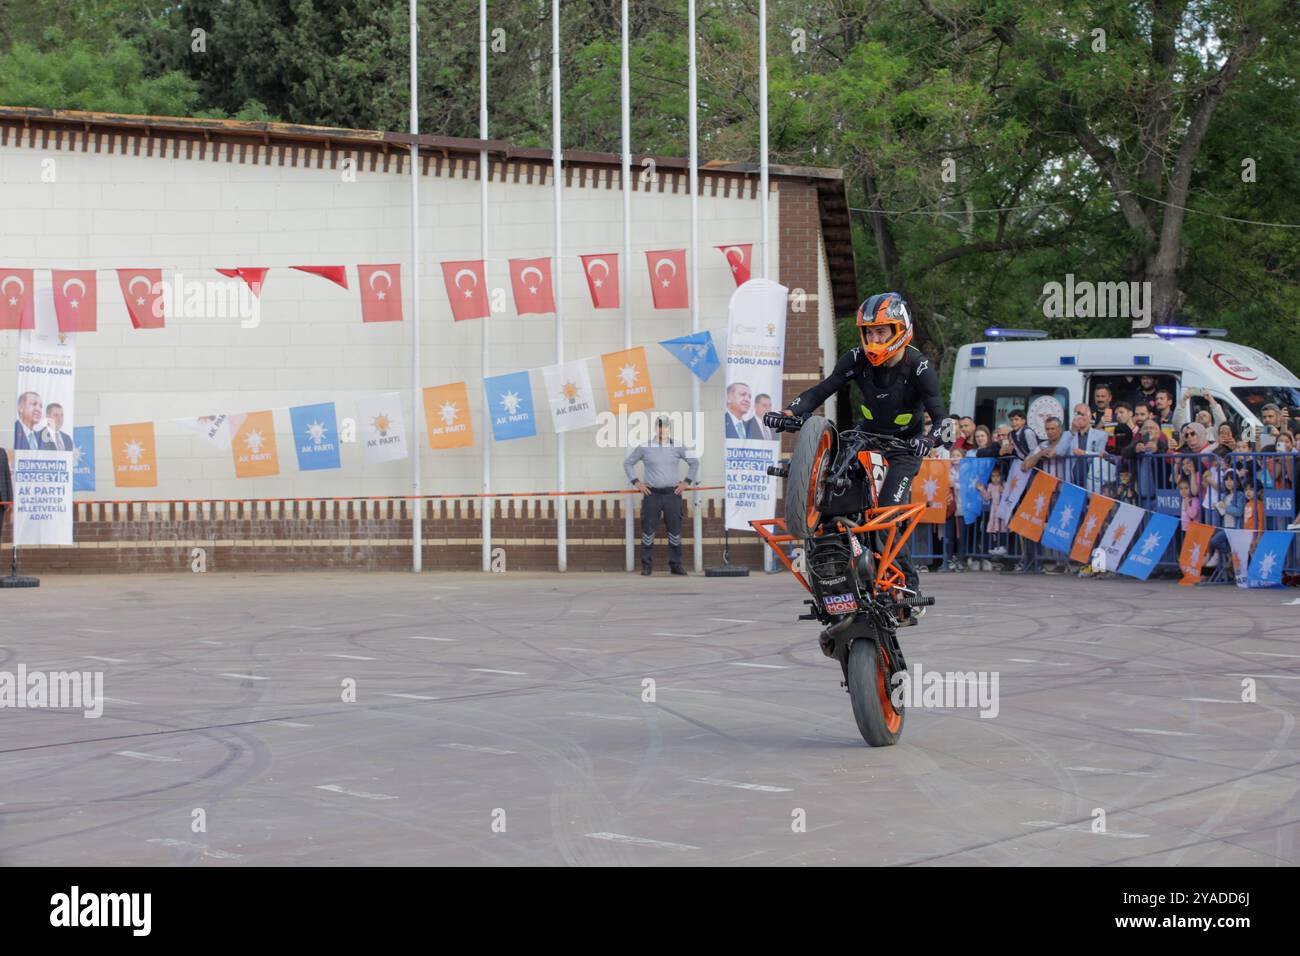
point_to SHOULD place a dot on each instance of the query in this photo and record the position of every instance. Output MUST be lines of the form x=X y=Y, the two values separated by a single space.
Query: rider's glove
x=922 y=444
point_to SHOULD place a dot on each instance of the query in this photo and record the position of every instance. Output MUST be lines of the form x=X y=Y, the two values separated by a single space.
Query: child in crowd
x=1191 y=509
x=992 y=494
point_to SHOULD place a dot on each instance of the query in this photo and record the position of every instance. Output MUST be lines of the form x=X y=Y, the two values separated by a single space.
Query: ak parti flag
x=381 y=293
x=467 y=289
x=336 y=274
x=135 y=455
x=17 y=299
x=930 y=488
x=627 y=380
x=739 y=259
x=1029 y=518
x=531 y=281
x=143 y=291
x=1090 y=528
x=253 y=277
x=601 y=271
x=76 y=300
x=446 y=416
x=253 y=447
x=668 y=278
x=1196 y=548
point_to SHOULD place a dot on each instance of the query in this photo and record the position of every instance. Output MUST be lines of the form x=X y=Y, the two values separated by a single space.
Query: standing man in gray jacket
x=661 y=492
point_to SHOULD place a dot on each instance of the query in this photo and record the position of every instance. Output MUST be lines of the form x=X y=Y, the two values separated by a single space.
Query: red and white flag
x=336 y=274
x=381 y=293
x=466 y=289
x=76 y=300
x=531 y=281
x=143 y=291
x=17 y=299
x=253 y=277
x=668 y=278
x=601 y=271
x=739 y=259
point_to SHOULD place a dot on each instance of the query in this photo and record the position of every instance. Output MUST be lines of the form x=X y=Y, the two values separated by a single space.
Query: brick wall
x=372 y=535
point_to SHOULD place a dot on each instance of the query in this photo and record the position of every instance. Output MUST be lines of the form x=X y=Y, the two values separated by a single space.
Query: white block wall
x=110 y=211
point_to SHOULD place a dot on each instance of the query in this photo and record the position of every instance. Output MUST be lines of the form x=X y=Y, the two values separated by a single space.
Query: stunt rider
x=897 y=382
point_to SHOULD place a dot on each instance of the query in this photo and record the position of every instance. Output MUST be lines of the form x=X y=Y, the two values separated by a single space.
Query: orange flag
x=1090 y=528
x=1196 y=548
x=627 y=380
x=253 y=447
x=446 y=416
x=135 y=455
x=1033 y=509
x=930 y=488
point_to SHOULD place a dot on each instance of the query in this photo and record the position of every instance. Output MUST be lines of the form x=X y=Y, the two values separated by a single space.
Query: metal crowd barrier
x=1152 y=484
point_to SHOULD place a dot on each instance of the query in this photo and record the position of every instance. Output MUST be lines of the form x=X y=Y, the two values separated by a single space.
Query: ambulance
x=1023 y=368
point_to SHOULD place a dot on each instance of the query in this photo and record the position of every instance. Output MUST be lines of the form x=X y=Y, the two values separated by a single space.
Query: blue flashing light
x=1067 y=360
x=1142 y=360
x=977 y=363
x=996 y=333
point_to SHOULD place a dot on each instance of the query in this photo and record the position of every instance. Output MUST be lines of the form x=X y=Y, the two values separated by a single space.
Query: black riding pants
x=669 y=504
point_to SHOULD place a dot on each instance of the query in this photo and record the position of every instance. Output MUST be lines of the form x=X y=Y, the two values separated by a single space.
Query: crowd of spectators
x=1147 y=449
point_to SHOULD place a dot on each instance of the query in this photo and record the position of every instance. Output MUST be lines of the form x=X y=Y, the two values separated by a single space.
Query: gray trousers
x=670 y=506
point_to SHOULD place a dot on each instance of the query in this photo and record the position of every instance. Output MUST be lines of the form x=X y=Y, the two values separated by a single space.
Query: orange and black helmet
x=886 y=310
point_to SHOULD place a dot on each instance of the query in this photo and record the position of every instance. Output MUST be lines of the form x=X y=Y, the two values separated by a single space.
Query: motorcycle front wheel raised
x=868 y=678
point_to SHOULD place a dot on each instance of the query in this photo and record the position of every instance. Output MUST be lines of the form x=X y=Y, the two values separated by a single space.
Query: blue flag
x=315 y=436
x=83 y=458
x=1058 y=533
x=696 y=352
x=1266 y=563
x=970 y=472
x=1149 y=547
x=510 y=405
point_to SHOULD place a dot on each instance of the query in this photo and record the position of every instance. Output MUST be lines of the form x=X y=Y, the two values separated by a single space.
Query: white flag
x=383 y=435
x=1119 y=533
x=1017 y=482
x=1240 y=540
x=568 y=389
x=216 y=429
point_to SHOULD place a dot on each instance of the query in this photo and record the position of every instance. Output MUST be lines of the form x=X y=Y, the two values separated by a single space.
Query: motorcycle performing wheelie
x=850 y=549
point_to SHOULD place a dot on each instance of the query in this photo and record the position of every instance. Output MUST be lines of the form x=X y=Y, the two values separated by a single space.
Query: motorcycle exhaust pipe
x=827 y=637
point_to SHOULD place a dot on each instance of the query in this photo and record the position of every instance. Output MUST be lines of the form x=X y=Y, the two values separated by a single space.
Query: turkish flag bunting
x=76 y=300
x=739 y=259
x=668 y=278
x=531 y=281
x=381 y=293
x=601 y=271
x=467 y=289
x=17 y=308
x=142 y=290
x=254 y=277
x=336 y=274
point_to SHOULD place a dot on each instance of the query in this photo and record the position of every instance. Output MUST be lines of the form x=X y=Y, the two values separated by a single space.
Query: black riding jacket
x=893 y=397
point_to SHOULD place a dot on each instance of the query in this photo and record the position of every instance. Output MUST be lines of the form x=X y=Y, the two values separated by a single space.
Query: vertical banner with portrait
x=43 y=430
x=755 y=357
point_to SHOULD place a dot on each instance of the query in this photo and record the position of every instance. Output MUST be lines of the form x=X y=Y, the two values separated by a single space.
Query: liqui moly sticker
x=840 y=603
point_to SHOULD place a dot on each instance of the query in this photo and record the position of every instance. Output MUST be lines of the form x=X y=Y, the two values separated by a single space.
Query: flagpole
x=769 y=562
x=417 y=504
x=562 y=516
x=762 y=126
x=697 y=527
x=484 y=175
x=627 y=251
